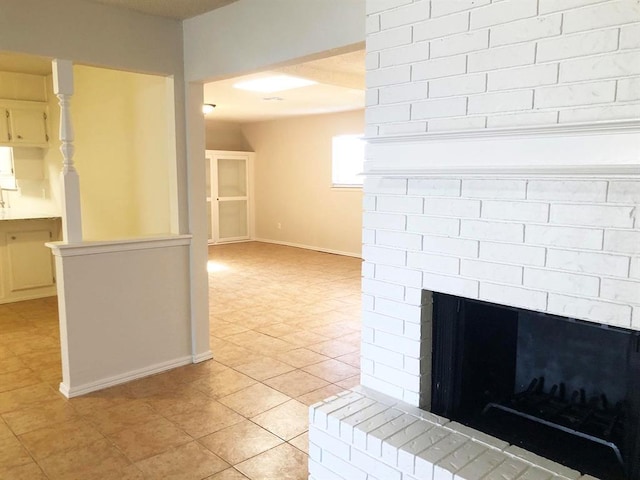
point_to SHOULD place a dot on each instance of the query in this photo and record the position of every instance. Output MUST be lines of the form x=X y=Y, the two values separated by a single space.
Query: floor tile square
x=213 y=417
x=39 y=415
x=254 y=400
x=29 y=471
x=223 y=383
x=334 y=348
x=331 y=370
x=99 y=459
x=148 y=439
x=280 y=463
x=264 y=368
x=320 y=394
x=301 y=357
x=59 y=437
x=120 y=417
x=301 y=442
x=240 y=442
x=191 y=461
x=286 y=421
x=228 y=474
x=12 y=453
x=296 y=383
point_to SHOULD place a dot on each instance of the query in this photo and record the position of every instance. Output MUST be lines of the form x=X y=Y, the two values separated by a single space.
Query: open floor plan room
x=285 y=333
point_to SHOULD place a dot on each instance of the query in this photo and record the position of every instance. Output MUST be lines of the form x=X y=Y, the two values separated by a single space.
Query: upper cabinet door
x=4 y=125
x=28 y=126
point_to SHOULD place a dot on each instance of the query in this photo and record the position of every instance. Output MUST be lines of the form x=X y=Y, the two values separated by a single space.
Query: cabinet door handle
x=13 y=237
x=20 y=137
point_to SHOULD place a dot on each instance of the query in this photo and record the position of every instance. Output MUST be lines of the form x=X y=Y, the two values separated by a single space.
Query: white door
x=230 y=197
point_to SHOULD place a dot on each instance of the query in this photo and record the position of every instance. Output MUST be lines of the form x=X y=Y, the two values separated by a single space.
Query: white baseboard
x=17 y=297
x=202 y=357
x=76 y=391
x=309 y=247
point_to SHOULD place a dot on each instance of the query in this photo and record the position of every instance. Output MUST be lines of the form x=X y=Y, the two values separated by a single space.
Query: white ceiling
x=340 y=78
x=340 y=88
x=178 y=9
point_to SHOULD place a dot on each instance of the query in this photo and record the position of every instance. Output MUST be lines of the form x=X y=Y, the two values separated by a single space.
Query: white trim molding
x=593 y=150
x=63 y=249
x=309 y=247
x=123 y=378
x=202 y=357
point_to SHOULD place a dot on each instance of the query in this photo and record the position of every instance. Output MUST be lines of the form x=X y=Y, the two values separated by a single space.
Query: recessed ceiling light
x=272 y=99
x=276 y=83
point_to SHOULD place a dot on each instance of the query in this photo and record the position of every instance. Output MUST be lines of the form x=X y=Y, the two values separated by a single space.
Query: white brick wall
x=363 y=435
x=559 y=61
x=567 y=247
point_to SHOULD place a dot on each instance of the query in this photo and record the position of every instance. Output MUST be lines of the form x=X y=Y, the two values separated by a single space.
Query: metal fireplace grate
x=593 y=419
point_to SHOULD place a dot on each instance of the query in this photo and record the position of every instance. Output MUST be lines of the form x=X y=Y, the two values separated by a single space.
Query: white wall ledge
x=512 y=171
x=64 y=249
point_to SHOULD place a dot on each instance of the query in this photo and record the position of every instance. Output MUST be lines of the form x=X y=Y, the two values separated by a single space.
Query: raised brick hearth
x=364 y=435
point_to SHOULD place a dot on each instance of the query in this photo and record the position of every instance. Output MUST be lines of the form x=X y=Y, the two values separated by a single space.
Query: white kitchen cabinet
x=30 y=264
x=229 y=195
x=24 y=124
x=27 y=264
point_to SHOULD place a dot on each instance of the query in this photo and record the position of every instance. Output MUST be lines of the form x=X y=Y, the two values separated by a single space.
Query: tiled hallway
x=284 y=332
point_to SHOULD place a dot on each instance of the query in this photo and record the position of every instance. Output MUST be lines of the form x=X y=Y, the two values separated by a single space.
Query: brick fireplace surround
x=503 y=165
x=555 y=237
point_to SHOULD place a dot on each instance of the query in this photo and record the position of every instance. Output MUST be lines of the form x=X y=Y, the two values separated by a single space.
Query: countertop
x=11 y=214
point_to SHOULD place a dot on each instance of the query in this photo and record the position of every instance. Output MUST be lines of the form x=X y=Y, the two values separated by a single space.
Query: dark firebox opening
x=565 y=389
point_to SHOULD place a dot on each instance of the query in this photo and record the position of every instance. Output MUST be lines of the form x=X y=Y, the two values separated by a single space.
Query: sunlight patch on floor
x=213 y=267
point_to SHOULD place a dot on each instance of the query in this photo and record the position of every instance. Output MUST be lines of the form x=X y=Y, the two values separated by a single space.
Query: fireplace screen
x=565 y=389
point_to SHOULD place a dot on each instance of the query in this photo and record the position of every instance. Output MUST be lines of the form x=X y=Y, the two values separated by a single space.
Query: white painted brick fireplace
x=503 y=165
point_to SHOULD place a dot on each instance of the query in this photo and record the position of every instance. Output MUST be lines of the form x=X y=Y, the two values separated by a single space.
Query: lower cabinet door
x=30 y=264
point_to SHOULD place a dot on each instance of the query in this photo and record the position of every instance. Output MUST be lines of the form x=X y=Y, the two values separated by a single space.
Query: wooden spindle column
x=70 y=181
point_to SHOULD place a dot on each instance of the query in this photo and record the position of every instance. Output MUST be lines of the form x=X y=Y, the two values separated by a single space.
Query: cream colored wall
x=293 y=183
x=122 y=152
x=154 y=152
x=22 y=86
x=225 y=136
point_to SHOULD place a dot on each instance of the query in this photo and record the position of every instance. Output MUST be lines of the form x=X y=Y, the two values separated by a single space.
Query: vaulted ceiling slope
x=178 y=9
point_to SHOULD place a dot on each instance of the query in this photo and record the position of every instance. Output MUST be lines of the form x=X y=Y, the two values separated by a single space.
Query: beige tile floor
x=285 y=334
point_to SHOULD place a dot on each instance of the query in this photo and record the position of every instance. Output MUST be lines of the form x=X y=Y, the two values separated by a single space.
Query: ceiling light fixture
x=277 y=83
x=208 y=108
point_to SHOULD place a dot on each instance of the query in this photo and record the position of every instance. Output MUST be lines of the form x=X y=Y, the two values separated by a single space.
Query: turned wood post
x=70 y=181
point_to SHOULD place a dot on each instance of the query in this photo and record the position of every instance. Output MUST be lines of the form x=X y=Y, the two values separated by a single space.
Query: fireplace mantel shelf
x=515 y=171
x=595 y=150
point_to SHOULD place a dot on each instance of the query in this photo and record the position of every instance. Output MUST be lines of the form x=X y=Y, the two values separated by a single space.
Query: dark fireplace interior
x=565 y=389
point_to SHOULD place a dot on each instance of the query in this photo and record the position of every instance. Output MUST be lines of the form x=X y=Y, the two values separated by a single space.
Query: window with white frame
x=348 y=161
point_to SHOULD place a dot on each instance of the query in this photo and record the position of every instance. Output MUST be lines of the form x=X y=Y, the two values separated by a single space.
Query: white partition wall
x=125 y=306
